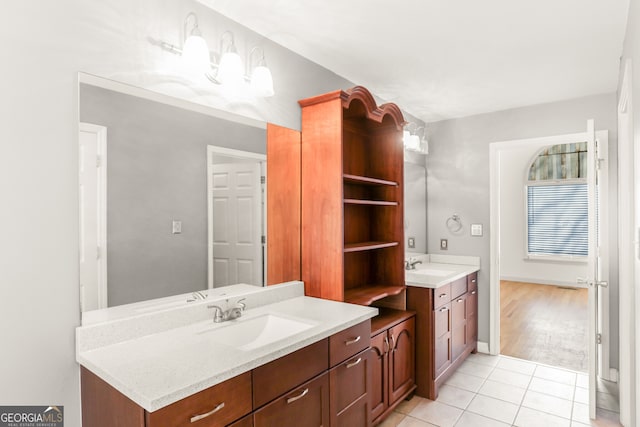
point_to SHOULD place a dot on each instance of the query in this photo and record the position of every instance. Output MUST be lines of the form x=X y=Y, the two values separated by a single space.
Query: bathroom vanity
x=443 y=291
x=300 y=358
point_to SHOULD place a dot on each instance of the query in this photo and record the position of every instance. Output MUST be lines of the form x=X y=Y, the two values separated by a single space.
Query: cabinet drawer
x=472 y=281
x=349 y=342
x=306 y=406
x=441 y=295
x=281 y=375
x=349 y=381
x=219 y=405
x=442 y=320
x=458 y=287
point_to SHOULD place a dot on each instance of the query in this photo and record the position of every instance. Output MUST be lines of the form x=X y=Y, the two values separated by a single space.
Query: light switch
x=476 y=229
x=444 y=244
x=412 y=242
x=176 y=227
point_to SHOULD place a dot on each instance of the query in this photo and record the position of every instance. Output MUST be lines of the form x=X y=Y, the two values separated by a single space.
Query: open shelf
x=367 y=246
x=365 y=180
x=366 y=294
x=369 y=202
x=388 y=317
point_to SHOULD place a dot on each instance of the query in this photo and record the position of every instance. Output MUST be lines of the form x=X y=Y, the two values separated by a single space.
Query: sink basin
x=249 y=334
x=432 y=272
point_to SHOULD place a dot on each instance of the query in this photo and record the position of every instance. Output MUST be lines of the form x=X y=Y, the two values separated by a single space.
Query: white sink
x=249 y=334
x=432 y=272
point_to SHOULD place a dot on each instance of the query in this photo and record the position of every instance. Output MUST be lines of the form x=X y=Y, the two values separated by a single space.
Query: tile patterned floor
x=496 y=391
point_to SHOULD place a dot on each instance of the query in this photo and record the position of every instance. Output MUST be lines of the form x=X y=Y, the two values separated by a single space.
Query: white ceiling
x=441 y=59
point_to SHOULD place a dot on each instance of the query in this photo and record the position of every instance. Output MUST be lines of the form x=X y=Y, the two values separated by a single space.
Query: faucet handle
x=241 y=304
x=217 y=316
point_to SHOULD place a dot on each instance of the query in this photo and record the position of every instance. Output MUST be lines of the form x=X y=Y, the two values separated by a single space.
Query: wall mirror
x=171 y=196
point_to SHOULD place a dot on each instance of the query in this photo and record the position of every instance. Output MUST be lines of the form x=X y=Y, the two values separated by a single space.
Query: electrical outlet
x=176 y=227
x=444 y=244
x=476 y=229
x=412 y=242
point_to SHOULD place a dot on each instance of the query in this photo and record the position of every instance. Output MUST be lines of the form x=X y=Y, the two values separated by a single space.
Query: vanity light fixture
x=415 y=140
x=229 y=71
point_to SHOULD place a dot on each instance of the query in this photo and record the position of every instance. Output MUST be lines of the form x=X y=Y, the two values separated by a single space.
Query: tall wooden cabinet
x=352 y=198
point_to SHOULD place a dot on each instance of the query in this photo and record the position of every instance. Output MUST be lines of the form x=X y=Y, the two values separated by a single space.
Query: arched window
x=557 y=203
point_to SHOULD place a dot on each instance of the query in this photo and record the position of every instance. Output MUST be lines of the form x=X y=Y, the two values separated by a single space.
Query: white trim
x=93 y=80
x=230 y=152
x=483 y=347
x=613 y=375
x=629 y=332
x=101 y=149
x=495 y=150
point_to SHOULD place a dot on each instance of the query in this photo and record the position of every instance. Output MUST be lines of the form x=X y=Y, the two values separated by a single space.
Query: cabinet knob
x=473 y=292
x=211 y=412
x=459 y=300
x=442 y=295
x=473 y=280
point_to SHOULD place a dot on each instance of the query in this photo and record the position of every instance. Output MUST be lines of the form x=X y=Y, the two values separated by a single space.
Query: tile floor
x=495 y=391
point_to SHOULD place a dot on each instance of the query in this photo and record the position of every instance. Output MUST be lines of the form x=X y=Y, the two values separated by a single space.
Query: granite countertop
x=437 y=270
x=160 y=368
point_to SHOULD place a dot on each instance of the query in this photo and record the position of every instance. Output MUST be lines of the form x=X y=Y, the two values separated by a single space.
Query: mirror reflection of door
x=235 y=212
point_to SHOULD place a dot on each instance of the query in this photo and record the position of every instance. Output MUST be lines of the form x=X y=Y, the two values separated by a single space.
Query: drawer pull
x=473 y=280
x=442 y=295
x=386 y=344
x=459 y=300
x=473 y=292
x=353 y=341
x=211 y=412
x=352 y=364
x=393 y=343
x=443 y=309
x=300 y=396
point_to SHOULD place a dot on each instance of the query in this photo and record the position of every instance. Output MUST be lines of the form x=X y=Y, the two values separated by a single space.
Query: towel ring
x=454 y=224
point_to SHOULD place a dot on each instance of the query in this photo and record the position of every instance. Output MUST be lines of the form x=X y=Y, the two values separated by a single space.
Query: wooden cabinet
x=446 y=330
x=392 y=358
x=352 y=198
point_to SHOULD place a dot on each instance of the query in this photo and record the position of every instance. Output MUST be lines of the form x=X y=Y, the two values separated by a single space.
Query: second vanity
x=443 y=291
x=176 y=367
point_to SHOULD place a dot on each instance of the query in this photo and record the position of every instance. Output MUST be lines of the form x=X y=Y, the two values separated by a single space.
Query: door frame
x=100 y=133
x=495 y=150
x=629 y=299
x=239 y=154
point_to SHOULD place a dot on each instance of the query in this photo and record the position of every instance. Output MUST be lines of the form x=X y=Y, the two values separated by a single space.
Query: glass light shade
x=261 y=81
x=230 y=71
x=195 y=54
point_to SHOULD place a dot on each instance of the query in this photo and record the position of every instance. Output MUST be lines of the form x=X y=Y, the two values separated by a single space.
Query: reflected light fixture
x=261 y=79
x=415 y=140
x=230 y=70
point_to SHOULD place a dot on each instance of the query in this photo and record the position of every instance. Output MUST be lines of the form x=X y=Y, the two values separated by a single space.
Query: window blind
x=557 y=218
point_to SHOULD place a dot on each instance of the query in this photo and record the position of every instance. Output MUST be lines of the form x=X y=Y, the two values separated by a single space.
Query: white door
x=235 y=224
x=93 y=220
x=594 y=279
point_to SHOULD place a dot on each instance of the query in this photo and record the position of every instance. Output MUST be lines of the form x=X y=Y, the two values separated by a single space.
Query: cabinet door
x=472 y=318
x=458 y=326
x=349 y=383
x=402 y=367
x=306 y=406
x=379 y=390
x=442 y=347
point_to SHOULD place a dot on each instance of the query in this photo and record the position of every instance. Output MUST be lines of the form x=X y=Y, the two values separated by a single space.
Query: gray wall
x=157 y=173
x=415 y=201
x=458 y=179
x=39 y=291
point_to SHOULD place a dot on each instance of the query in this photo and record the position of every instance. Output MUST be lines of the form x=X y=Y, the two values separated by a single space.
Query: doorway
x=560 y=270
x=236 y=189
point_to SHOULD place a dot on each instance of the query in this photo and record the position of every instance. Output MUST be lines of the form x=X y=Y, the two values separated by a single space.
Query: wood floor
x=545 y=324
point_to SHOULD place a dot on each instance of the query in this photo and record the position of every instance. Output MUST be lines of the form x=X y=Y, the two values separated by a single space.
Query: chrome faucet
x=234 y=312
x=411 y=264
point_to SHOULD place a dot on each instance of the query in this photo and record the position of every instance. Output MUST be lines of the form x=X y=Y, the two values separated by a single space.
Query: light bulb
x=262 y=82
x=195 y=54
x=230 y=70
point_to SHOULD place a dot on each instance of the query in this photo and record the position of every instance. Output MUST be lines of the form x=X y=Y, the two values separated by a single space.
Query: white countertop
x=437 y=270
x=160 y=368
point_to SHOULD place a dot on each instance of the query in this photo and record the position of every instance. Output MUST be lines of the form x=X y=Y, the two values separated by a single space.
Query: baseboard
x=483 y=347
x=542 y=281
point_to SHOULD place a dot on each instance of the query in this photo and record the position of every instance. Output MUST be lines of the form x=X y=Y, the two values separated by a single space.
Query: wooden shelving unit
x=352 y=199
